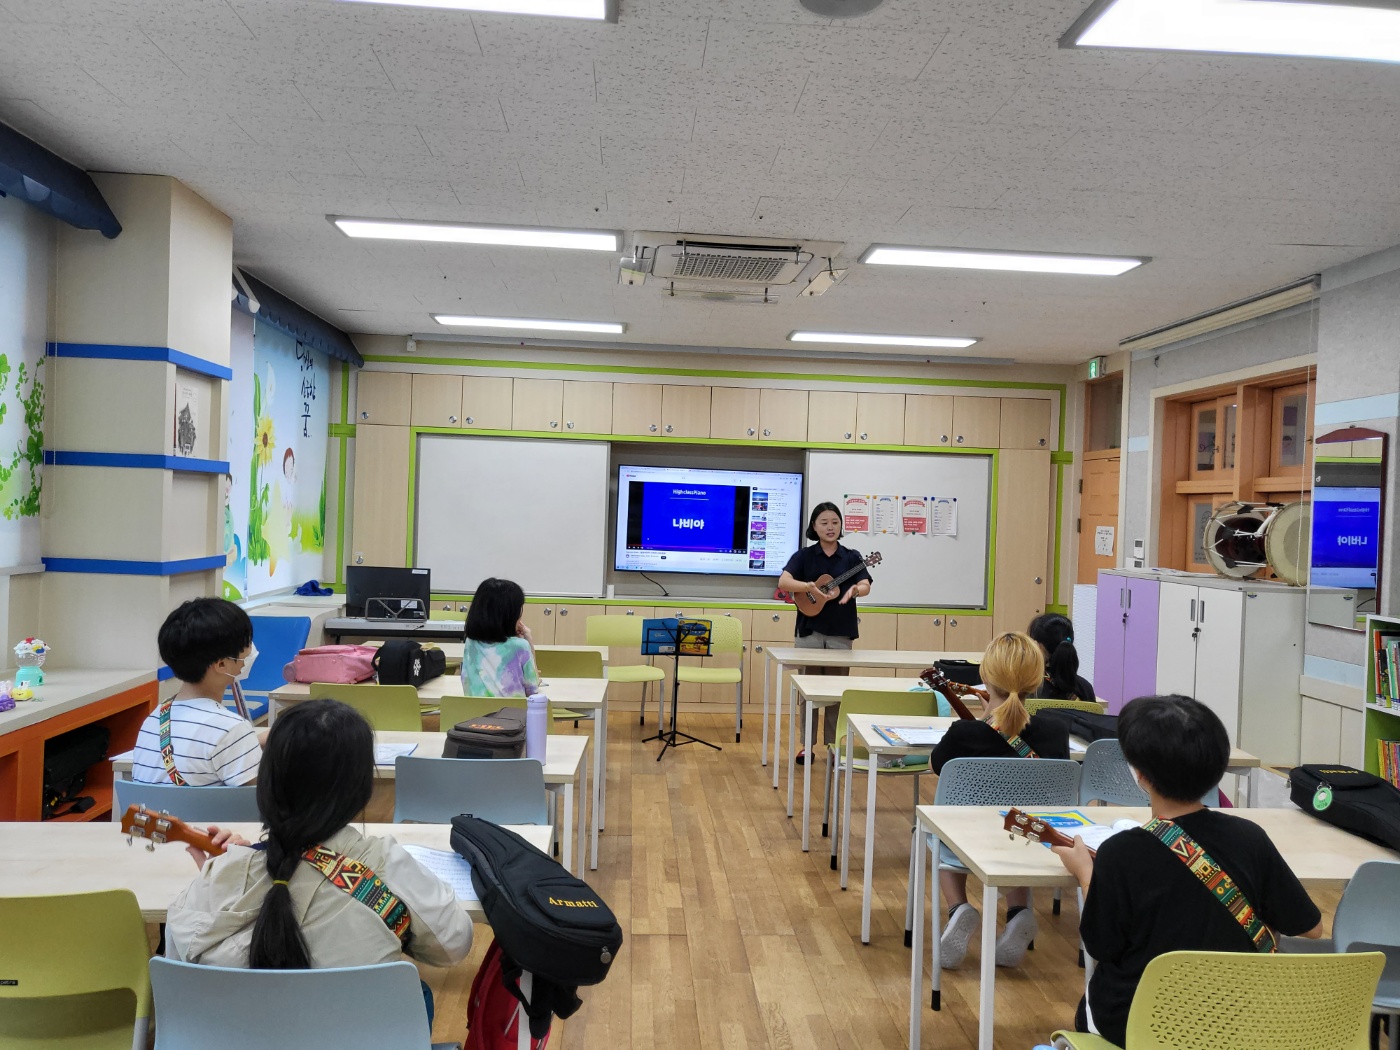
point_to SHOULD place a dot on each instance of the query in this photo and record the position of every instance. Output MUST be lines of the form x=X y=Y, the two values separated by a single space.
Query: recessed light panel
x=939 y=342
x=597 y=10
x=1244 y=27
x=475 y=233
x=530 y=324
x=977 y=259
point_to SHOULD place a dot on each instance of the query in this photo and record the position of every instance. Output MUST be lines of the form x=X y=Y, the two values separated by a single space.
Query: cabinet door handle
x=1037 y=579
x=629 y=613
x=569 y=425
x=1130 y=596
x=452 y=420
x=952 y=623
x=938 y=621
x=943 y=440
x=776 y=617
x=752 y=432
x=847 y=436
x=563 y=612
x=865 y=437
x=767 y=432
x=548 y=611
x=554 y=424
x=1193 y=610
x=364 y=415
x=960 y=439
x=1203 y=611
x=669 y=428
x=652 y=428
x=469 y=421
x=1042 y=442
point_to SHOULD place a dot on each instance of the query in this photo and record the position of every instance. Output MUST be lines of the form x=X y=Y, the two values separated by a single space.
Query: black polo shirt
x=837 y=620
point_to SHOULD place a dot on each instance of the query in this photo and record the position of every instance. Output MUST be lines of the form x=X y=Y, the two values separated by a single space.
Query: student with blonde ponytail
x=1013 y=668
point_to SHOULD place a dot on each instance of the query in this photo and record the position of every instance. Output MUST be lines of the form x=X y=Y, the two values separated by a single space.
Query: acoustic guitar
x=828 y=589
x=138 y=822
x=1034 y=829
x=954 y=691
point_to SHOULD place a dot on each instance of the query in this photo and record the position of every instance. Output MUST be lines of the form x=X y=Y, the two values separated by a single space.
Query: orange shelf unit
x=22 y=752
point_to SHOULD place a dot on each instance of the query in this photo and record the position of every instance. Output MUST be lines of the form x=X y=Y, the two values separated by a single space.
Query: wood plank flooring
x=737 y=939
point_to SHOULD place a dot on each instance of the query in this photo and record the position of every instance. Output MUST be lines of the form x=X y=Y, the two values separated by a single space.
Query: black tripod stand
x=673 y=737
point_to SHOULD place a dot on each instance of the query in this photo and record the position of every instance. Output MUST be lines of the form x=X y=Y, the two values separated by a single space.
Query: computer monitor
x=392 y=585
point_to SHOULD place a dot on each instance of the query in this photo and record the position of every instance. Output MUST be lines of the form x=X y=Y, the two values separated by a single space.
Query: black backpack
x=401 y=661
x=67 y=758
x=500 y=734
x=1350 y=799
x=1082 y=724
x=546 y=921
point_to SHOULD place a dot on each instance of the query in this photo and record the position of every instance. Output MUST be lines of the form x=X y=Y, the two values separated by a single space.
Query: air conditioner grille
x=723 y=267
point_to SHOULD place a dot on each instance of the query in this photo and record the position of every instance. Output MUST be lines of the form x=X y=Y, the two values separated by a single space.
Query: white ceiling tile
x=637 y=39
x=751 y=89
x=941 y=99
x=376 y=106
x=1120 y=110
x=735 y=46
x=1311 y=118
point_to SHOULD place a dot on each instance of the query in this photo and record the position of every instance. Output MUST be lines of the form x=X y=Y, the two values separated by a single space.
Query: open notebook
x=452 y=868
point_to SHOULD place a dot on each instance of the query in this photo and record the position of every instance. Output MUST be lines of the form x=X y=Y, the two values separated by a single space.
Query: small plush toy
x=21 y=691
x=29 y=657
x=7 y=701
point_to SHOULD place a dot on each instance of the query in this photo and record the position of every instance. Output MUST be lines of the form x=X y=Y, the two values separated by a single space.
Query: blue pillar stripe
x=164 y=673
x=135 y=459
x=110 y=567
x=115 y=352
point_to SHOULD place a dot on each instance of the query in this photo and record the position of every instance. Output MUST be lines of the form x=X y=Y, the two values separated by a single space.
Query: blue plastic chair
x=1106 y=777
x=278 y=639
x=501 y=790
x=199 y=805
x=354 y=1008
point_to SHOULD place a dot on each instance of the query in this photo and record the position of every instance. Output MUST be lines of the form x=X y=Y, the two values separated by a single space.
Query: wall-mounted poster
x=913 y=512
x=855 y=515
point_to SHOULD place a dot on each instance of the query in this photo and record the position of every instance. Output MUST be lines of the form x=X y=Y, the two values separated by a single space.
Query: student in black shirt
x=835 y=625
x=1012 y=667
x=1141 y=900
x=1055 y=634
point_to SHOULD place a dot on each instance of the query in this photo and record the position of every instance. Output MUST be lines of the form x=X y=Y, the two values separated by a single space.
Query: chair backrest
x=1087 y=706
x=456 y=709
x=726 y=635
x=501 y=790
x=202 y=805
x=1107 y=778
x=82 y=944
x=356 y=1008
x=389 y=708
x=1008 y=782
x=622 y=631
x=278 y=639
x=569 y=663
x=446 y=614
x=1367 y=913
x=883 y=702
x=1248 y=1001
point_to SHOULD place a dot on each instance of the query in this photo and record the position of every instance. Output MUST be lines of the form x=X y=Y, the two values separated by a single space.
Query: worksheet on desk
x=451 y=868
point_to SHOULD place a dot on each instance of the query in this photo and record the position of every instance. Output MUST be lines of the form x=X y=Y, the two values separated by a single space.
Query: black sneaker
x=802 y=757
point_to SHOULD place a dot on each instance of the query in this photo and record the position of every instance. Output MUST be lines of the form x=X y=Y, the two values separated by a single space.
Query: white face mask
x=248 y=663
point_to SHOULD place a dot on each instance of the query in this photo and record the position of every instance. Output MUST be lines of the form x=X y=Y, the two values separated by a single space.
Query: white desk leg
x=274 y=708
x=580 y=820
x=916 y=957
x=777 y=720
x=807 y=734
x=763 y=748
x=597 y=783
x=793 y=705
x=986 y=1025
x=566 y=827
x=869 y=886
x=936 y=927
x=603 y=765
x=849 y=774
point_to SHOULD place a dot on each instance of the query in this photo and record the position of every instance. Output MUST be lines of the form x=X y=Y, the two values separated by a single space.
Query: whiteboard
x=943 y=571
x=532 y=511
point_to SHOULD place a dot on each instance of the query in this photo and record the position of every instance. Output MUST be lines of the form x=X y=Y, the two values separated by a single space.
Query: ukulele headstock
x=138 y=822
x=873 y=559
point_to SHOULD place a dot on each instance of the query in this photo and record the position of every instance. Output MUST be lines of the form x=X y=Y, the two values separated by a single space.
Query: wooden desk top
x=40 y=859
x=912 y=658
x=1323 y=857
x=827 y=688
x=584 y=693
x=66 y=690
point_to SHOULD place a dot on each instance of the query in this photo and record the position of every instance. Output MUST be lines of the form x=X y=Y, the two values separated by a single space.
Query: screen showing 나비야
x=1346 y=530
x=682 y=519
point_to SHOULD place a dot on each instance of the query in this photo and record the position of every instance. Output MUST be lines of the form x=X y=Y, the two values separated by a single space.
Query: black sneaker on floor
x=802 y=757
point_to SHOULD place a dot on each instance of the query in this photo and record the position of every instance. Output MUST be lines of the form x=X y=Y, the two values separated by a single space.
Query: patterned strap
x=360 y=881
x=1215 y=879
x=1017 y=744
x=167 y=749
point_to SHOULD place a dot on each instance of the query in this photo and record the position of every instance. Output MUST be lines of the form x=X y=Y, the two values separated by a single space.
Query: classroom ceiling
x=937 y=122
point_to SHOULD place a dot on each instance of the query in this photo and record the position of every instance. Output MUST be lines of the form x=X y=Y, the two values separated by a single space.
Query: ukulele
x=1035 y=829
x=810 y=604
x=954 y=691
x=141 y=823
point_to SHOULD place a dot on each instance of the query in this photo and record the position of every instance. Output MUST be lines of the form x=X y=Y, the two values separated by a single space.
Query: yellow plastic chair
x=1248 y=1001
x=388 y=708
x=456 y=709
x=80 y=964
x=1087 y=706
x=726 y=636
x=568 y=663
x=625 y=632
x=446 y=614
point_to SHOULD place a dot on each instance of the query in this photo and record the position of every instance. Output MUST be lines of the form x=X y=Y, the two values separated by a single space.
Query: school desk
x=42 y=859
x=453 y=651
x=338 y=627
x=1323 y=857
x=576 y=694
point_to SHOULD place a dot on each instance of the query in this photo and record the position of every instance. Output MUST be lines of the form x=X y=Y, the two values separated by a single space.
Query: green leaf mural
x=20 y=477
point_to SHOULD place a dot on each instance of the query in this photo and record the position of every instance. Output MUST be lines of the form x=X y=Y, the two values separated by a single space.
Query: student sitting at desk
x=275 y=906
x=1143 y=898
x=1012 y=669
x=208 y=643
x=499 y=656
x=1055 y=634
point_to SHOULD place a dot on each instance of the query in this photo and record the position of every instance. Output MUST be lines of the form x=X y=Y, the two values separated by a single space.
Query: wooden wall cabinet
x=379 y=528
x=879 y=419
x=782 y=415
x=967 y=634
x=588 y=407
x=928 y=419
x=486 y=402
x=540 y=619
x=437 y=400
x=976 y=422
x=915 y=631
x=571 y=623
x=384 y=398
x=637 y=409
x=734 y=413
x=831 y=417
x=685 y=411
x=778 y=625
x=537 y=405
x=1025 y=423
x=1023 y=520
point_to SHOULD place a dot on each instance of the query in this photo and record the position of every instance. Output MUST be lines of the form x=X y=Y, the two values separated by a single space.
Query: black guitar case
x=1349 y=798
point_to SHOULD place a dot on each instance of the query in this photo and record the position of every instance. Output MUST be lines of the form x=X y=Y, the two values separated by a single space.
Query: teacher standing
x=836 y=625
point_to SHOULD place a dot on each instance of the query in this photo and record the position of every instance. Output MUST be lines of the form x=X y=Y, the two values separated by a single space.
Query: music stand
x=676 y=637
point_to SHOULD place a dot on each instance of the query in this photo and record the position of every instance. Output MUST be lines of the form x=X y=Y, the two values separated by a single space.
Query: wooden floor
x=735 y=938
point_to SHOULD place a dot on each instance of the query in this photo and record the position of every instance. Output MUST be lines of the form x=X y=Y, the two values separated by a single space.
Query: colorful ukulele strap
x=360 y=881
x=167 y=749
x=1018 y=745
x=1215 y=879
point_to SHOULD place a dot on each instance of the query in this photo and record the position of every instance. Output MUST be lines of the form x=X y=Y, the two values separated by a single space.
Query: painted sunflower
x=265 y=441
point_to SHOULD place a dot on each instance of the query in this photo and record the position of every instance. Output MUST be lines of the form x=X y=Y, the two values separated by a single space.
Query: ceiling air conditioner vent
x=731 y=263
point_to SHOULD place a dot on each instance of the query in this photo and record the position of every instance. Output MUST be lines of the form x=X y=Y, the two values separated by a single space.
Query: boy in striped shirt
x=208 y=643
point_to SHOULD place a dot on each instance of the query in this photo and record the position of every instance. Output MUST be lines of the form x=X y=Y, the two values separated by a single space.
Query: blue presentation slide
x=1346 y=536
x=685 y=517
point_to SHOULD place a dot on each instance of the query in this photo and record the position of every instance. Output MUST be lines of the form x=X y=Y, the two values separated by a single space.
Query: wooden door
x=1025 y=422
x=831 y=416
x=776 y=625
x=384 y=398
x=1219 y=649
x=486 y=402
x=782 y=415
x=1098 y=509
x=379 y=529
x=1176 y=639
x=539 y=618
x=685 y=411
x=1023 y=522
x=734 y=412
x=967 y=634
x=880 y=419
x=437 y=400
x=637 y=409
x=537 y=404
x=588 y=407
x=976 y=422
x=919 y=632
x=928 y=419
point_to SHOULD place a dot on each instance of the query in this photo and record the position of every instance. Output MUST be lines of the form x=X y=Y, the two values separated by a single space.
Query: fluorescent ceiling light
x=460 y=233
x=978 y=259
x=530 y=323
x=882 y=340
x=1245 y=27
x=598 y=10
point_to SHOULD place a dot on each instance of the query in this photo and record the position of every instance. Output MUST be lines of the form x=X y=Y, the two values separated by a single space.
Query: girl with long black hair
x=1055 y=633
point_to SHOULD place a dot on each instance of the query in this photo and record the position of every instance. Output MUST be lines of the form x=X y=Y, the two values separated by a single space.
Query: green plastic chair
x=388 y=708
x=625 y=632
x=1247 y=1001
x=726 y=636
x=456 y=709
x=568 y=663
x=1087 y=706
x=80 y=963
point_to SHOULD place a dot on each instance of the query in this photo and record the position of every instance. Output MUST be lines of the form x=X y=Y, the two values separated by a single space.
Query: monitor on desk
x=384 y=592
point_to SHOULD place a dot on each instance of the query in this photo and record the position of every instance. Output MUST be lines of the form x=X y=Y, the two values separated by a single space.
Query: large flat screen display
x=1346 y=536
x=685 y=519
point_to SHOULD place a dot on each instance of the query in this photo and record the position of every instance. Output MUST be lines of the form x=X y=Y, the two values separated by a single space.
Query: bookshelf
x=1382 y=705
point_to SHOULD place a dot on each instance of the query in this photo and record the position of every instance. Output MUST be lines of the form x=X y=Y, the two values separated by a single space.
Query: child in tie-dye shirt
x=499 y=658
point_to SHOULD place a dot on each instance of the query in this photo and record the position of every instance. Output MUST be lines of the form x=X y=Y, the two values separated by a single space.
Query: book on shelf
x=1387 y=668
x=1389 y=760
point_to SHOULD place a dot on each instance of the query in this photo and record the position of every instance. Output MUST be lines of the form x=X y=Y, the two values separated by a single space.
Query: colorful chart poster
x=913 y=513
x=885 y=516
x=855 y=515
x=943 y=516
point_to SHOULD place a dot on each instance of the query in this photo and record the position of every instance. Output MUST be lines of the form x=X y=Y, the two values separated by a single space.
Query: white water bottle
x=536 y=725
